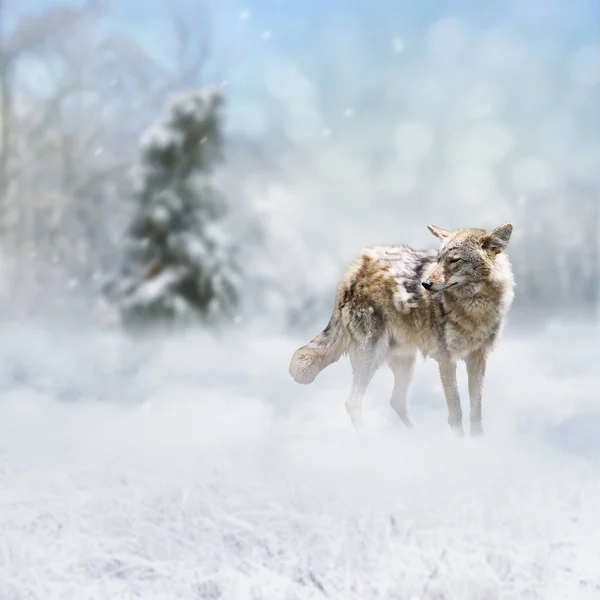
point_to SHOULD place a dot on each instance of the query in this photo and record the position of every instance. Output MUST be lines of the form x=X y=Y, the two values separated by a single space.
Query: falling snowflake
x=398 y=45
x=349 y=112
x=326 y=132
x=244 y=15
x=266 y=35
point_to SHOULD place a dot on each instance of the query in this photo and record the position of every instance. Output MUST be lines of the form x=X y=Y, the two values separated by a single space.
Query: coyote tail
x=323 y=350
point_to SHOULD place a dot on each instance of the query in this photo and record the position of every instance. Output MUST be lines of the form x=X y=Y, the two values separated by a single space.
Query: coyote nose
x=426 y=284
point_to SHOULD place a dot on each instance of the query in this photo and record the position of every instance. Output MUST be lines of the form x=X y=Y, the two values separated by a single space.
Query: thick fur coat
x=395 y=301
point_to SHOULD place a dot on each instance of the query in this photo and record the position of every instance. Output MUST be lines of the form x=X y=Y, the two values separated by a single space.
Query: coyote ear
x=440 y=233
x=497 y=239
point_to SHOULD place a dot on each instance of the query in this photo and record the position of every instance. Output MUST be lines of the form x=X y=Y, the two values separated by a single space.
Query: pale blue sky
x=393 y=102
x=252 y=33
x=293 y=19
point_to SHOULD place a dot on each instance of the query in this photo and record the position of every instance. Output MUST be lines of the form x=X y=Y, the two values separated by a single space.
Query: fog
x=190 y=466
x=196 y=468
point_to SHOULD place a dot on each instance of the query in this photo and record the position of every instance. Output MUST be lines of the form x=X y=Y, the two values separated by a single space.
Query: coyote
x=394 y=301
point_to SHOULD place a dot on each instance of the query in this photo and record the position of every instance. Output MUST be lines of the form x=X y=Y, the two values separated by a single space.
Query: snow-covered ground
x=192 y=469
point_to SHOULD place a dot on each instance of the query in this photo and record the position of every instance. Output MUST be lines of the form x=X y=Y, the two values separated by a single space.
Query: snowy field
x=195 y=470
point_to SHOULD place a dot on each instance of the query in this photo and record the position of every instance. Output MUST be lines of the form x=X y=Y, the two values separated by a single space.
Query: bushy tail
x=325 y=349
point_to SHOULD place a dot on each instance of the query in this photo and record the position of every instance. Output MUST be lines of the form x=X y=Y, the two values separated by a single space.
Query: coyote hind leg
x=365 y=362
x=402 y=366
x=362 y=372
x=367 y=349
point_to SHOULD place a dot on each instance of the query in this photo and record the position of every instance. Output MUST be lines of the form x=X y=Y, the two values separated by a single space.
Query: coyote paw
x=358 y=424
x=357 y=419
x=457 y=430
x=404 y=417
x=476 y=429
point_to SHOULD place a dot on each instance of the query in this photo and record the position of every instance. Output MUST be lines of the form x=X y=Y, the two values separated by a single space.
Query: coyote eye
x=454 y=259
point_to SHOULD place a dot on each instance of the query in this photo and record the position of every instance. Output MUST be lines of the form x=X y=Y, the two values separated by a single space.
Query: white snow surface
x=194 y=468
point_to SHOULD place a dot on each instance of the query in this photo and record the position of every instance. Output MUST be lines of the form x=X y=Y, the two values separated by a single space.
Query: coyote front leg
x=447 y=368
x=476 y=363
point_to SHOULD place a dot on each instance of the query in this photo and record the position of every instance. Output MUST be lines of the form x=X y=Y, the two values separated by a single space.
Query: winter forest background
x=214 y=165
x=486 y=115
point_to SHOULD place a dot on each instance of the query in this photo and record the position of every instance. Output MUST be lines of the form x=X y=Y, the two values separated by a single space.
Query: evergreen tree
x=180 y=266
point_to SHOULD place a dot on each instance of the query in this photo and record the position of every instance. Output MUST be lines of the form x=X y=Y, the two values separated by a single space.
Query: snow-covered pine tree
x=180 y=266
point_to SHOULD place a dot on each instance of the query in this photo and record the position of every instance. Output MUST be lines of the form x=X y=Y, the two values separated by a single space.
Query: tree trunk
x=5 y=111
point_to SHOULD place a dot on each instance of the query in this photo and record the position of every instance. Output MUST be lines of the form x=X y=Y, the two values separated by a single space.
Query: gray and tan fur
x=395 y=301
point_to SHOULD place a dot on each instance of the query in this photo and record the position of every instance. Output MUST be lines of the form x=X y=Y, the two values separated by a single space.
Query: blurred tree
x=5 y=106
x=556 y=254
x=57 y=164
x=62 y=173
x=180 y=265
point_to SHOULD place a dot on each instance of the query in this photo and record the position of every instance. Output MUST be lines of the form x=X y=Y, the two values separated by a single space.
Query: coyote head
x=466 y=258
